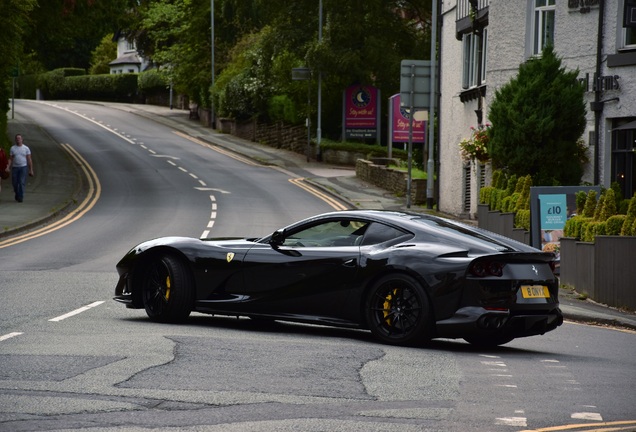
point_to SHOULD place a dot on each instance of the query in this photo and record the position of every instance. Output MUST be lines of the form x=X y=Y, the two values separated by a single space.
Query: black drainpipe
x=597 y=106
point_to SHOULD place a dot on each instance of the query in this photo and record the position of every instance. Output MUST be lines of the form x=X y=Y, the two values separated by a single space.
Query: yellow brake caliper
x=167 y=287
x=387 y=306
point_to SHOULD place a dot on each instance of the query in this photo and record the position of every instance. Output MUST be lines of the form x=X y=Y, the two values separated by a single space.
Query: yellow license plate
x=535 y=291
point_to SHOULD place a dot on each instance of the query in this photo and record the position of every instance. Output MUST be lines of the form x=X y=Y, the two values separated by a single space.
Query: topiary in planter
x=573 y=226
x=630 y=219
x=599 y=208
x=609 y=205
x=614 y=224
x=590 y=230
x=522 y=219
x=590 y=204
x=485 y=195
x=581 y=197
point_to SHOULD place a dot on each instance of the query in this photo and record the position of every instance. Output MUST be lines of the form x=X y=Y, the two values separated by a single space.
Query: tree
x=64 y=33
x=363 y=42
x=537 y=121
x=13 y=22
x=101 y=57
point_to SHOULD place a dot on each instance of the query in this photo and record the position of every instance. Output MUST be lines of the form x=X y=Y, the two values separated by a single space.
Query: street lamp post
x=319 y=115
x=212 y=61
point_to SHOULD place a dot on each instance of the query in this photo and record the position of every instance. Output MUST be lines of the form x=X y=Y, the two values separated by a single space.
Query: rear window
x=462 y=234
x=377 y=233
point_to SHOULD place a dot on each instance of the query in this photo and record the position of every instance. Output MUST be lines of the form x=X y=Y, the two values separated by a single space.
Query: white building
x=128 y=59
x=482 y=44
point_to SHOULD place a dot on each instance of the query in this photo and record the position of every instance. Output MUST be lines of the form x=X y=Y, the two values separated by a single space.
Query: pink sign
x=400 y=122
x=361 y=115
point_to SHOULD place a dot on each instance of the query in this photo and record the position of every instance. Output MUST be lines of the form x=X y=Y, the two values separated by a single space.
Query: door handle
x=351 y=263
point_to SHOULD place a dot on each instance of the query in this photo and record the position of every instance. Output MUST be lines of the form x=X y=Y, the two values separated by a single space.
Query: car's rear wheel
x=398 y=312
x=488 y=341
x=167 y=289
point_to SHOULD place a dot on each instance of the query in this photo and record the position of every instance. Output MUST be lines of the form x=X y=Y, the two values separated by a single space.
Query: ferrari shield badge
x=230 y=256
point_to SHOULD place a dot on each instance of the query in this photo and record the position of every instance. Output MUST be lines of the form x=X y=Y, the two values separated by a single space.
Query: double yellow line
x=301 y=183
x=94 y=192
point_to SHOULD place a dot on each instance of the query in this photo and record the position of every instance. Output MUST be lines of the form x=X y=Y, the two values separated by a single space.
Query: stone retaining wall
x=278 y=135
x=391 y=179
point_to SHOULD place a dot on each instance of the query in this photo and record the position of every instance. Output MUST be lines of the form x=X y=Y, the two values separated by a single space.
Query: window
x=629 y=38
x=624 y=157
x=474 y=47
x=378 y=233
x=543 y=25
x=332 y=233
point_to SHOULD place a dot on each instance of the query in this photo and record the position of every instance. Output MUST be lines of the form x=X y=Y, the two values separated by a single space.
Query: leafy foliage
x=101 y=56
x=64 y=33
x=13 y=22
x=537 y=121
x=601 y=218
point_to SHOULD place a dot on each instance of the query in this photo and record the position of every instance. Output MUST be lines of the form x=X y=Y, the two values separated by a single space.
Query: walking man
x=20 y=164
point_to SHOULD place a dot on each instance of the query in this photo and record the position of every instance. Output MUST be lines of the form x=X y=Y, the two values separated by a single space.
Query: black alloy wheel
x=398 y=312
x=167 y=288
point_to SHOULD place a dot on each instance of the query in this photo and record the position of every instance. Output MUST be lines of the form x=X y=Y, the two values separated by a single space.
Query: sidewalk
x=57 y=187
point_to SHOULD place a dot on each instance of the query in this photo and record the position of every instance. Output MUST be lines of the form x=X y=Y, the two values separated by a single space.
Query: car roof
x=427 y=227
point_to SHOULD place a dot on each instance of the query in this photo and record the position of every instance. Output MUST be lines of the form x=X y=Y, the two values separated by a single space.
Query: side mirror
x=278 y=238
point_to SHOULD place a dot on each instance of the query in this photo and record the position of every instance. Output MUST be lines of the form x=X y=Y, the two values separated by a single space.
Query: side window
x=378 y=233
x=328 y=234
x=629 y=38
x=474 y=52
x=627 y=26
x=543 y=25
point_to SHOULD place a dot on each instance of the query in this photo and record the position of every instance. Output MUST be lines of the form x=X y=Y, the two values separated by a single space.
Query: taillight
x=553 y=265
x=486 y=268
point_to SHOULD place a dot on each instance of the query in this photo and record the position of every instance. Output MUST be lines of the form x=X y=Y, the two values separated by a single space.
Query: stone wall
x=392 y=180
x=278 y=135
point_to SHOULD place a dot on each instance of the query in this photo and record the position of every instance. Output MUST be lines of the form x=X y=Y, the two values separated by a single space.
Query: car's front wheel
x=398 y=312
x=167 y=289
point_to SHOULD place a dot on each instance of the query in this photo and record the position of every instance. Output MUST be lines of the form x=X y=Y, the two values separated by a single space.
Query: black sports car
x=406 y=277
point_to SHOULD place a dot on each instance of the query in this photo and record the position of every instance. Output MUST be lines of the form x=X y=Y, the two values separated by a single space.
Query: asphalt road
x=74 y=359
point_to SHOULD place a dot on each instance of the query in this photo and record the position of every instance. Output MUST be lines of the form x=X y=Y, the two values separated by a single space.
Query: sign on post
x=415 y=83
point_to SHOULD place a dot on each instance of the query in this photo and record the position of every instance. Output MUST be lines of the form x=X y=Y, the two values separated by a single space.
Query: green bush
x=590 y=204
x=589 y=230
x=522 y=219
x=599 y=208
x=524 y=198
x=630 y=219
x=573 y=226
x=609 y=205
x=52 y=83
x=282 y=108
x=581 y=197
x=510 y=206
x=151 y=80
x=511 y=185
x=485 y=194
x=614 y=224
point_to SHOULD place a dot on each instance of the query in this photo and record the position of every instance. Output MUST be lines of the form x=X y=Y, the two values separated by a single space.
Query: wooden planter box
x=501 y=223
x=604 y=270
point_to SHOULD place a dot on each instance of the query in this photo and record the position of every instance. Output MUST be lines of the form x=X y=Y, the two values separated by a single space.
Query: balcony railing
x=464 y=21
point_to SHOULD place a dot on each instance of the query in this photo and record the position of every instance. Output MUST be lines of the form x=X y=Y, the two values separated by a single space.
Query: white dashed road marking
x=76 y=311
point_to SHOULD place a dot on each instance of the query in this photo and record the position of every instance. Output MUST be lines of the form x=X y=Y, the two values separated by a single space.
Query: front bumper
x=124 y=295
